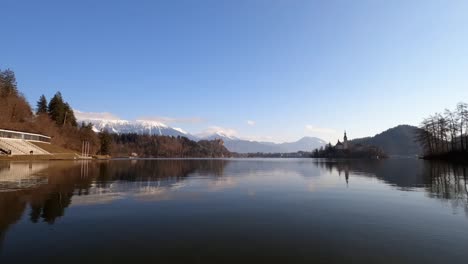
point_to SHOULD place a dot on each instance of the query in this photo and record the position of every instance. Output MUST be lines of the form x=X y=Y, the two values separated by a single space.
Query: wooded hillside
x=55 y=118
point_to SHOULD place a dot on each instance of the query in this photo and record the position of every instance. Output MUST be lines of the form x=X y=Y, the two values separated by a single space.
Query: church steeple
x=345 y=141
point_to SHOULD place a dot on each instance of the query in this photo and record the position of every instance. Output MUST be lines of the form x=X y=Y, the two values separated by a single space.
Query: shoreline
x=64 y=156
x=449 y=157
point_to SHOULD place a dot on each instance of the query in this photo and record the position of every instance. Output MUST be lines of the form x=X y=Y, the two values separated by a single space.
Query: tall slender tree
x=452 y=120
x=462 y=113
x=69 y=117
x=56 y=108
x=106 y=139
x=41 y=105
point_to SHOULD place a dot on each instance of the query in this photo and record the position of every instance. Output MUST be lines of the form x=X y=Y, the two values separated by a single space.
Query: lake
x=233 y=211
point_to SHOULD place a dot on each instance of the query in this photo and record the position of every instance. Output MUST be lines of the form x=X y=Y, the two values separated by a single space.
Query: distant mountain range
x=233 y=144
x=397 y=141
x=247 y=146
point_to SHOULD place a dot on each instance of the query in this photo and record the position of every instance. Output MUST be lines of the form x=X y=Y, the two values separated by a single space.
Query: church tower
x=345 y=141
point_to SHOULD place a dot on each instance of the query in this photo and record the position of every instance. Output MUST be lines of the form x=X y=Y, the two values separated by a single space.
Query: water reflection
x=44 y=192
x=49 y=188
x=405 y=174
x=444 y=181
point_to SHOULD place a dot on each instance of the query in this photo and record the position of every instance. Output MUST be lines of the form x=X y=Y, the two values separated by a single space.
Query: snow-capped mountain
x=232 y=143
x=219 y=135
x=137 y=126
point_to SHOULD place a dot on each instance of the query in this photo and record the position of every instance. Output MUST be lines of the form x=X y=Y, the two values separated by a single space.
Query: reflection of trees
x=52 y=208
x=444 y=181
x=449 y=183
x=49 y=198
x=11 y=209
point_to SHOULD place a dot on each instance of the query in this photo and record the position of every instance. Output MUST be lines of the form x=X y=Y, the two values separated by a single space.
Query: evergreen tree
x=69 y=117
x=42 y=105
x=60 y=111
x=8 y=83
x=106 y=140
x=56 y=108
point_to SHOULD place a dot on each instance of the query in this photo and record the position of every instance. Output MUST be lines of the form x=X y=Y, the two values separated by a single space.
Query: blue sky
x=291 y=68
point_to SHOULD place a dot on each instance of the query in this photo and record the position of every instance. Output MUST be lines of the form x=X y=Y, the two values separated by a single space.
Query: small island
x=347 y=150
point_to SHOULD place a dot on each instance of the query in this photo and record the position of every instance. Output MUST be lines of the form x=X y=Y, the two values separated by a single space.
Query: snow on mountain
x=219 y=135
x=231 y=142
x=180 y=130
x=138 y=126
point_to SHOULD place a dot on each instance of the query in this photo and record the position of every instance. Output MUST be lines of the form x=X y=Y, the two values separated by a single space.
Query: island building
x=342 y=145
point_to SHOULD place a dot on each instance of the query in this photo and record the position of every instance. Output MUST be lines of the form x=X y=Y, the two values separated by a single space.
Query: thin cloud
x=323 y=130
x=328 y=134
x=173 y=120
x=80 y=115
x=262 y=139
x=229 y=132
x=250 y=122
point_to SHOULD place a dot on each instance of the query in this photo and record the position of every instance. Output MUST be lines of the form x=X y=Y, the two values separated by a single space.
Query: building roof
x=24 y=133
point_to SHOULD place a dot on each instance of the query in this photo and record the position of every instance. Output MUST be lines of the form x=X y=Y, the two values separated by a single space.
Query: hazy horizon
x=260 y=70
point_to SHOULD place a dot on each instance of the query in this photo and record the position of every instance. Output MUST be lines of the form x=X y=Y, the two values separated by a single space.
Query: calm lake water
x=233 y=211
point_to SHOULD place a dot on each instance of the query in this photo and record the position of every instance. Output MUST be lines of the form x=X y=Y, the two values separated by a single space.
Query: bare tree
x=462 y=113
x=452 y=120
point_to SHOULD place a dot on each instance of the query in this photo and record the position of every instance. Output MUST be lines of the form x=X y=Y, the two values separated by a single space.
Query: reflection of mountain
x=403 y=173
x=65 y=184
x=49 y=197
x=444 y=181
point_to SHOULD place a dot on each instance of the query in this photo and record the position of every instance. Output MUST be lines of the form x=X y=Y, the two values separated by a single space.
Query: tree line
x=445 y=133
x=55 y=118
x=166 y=146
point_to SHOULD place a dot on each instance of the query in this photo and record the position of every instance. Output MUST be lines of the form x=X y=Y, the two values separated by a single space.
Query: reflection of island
x=48 y=188
x=444 y=181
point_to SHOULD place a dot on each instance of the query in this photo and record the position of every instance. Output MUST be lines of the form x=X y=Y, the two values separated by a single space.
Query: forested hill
x=397 y=141
x=57 y=120
x=166 y=147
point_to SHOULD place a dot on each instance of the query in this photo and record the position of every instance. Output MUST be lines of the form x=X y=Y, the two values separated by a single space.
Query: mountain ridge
x=396 y=141
x=232 y=143
x=120 y=126
x=247 y=146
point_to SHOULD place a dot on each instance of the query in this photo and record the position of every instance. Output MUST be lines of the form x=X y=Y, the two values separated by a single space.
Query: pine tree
x=106 y=140
x=42 y=105
x=69 y=116
x=61 y=112
x=56 y=108
x=8 y=83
